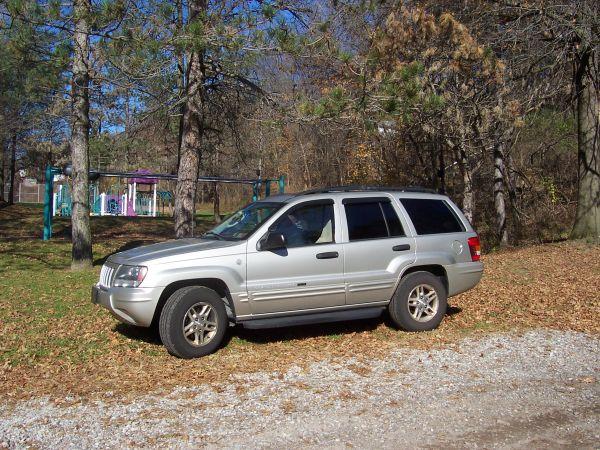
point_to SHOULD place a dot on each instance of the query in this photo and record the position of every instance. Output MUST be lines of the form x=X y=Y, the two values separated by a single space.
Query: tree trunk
x=467 y=196
x=587 y=218
x=12 y=169
x=306 y=172
x=181 y=81
x=2 y=182
x=216 y=203
x=510 y=185
x=499 y=203
x=441 y=172
x=191 y=138
x=80 y=214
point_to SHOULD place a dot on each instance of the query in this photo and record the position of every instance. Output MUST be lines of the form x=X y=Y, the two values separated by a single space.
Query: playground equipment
x=140 y=198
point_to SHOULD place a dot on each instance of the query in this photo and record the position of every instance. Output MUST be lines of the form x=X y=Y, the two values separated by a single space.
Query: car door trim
x=303 y=312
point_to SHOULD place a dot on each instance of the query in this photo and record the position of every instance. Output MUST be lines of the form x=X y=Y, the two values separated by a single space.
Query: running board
x=309 y=319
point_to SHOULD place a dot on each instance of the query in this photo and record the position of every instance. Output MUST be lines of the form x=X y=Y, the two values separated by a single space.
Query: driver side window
x=307 y=225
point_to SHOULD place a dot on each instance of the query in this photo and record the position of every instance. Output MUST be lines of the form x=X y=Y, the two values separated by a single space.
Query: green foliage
x=324 y=27
x=268 y=11
x=197 y=35
x=33 y=61
x=551 y=189
x=555 y=125
x=286 y=40
x=330 y=105
x=344 y=56
x=411 y=71
x=433 y=102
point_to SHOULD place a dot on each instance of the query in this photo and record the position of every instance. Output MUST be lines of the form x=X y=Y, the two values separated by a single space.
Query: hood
x=175 y=250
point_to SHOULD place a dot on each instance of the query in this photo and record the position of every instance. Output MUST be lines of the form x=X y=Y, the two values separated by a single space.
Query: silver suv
x=324 y=255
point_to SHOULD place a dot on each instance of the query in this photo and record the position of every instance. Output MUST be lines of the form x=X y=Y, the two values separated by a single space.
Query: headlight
x=130 y=276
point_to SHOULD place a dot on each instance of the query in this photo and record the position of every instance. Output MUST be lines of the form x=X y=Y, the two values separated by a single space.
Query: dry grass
x=53 y=341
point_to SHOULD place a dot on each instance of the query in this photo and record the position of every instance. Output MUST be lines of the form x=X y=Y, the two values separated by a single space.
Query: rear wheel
x=193 y=322
x=419 y=303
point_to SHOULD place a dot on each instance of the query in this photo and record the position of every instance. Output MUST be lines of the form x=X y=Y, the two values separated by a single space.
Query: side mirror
x=273 y=241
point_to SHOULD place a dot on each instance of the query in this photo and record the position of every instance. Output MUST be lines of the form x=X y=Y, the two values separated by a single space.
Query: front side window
x=432 y=216
x=241 y=224
x=371 y=219
x=307 y=225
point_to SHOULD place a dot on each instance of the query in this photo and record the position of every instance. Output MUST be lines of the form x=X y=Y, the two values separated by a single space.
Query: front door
x=309 y=272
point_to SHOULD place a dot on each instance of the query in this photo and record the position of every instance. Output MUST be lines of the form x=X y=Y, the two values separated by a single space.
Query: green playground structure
x=140 y=198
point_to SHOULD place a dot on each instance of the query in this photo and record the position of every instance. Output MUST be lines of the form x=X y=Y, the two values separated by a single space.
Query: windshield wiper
x=220 y=237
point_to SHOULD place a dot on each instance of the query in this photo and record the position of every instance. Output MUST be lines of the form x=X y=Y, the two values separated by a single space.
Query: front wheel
x=193 y=322
x=419 y=303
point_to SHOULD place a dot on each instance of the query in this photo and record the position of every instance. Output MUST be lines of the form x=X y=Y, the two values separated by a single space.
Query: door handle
x=327 y=255
x=401 y=247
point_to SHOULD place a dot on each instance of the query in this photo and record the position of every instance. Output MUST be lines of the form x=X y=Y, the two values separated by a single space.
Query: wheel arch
x=216 y=284
x=436 y=269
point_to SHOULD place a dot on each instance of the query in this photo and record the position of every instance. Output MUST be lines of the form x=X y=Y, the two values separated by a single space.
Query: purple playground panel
x=132 y=188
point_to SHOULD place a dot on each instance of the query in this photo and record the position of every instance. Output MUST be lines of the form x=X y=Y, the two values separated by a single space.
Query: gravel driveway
x=539 y=389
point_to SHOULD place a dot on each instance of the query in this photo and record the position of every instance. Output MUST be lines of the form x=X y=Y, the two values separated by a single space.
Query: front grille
x=106 y=275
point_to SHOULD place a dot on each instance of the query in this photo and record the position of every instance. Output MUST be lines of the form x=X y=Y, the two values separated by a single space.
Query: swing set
x=139 y=199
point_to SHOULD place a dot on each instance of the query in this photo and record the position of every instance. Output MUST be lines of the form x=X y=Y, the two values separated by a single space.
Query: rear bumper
x=463 y=276
x=134 y=306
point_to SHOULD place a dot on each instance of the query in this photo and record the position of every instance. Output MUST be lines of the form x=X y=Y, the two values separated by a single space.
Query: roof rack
x=358 y=188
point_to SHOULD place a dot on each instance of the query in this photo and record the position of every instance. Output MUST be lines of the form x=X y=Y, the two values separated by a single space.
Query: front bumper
x=134 y=306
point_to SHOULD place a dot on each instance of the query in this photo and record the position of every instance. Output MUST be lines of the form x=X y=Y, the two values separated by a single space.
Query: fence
x=27 y=193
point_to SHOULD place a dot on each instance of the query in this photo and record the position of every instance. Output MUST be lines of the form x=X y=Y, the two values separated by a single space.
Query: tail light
x=475 y=247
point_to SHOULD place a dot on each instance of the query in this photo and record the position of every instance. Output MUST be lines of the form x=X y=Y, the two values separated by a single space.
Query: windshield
x=244 y=222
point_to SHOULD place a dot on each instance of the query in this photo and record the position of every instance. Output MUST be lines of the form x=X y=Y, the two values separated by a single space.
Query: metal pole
x=102 y=203
x=154 y=201
x=163 y=176
x=134 y=195
x=47 y=207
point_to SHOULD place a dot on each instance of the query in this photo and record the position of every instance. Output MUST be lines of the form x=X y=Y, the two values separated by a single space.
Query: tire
x=411 y=296
x=205 y=325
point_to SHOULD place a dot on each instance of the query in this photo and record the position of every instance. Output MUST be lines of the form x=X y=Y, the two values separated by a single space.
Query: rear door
x=440 y=232
x=376 y=248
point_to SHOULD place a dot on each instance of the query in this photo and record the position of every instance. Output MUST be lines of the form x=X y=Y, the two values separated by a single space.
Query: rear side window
x=432 y=216
x=393 y=223
x=371 y=219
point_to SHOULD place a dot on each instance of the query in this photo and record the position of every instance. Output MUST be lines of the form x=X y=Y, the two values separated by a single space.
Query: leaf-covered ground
x=53 y=341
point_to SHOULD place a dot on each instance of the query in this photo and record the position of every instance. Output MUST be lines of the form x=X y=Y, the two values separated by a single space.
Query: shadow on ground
x=270 y=335
x=147 y=335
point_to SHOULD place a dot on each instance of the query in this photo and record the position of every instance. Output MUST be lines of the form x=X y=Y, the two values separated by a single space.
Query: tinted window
x=432 y=216
x=365 y=221
x=394 y=226
x=307 y=225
